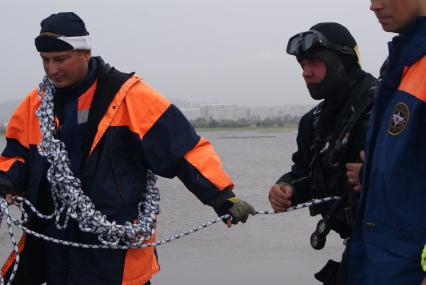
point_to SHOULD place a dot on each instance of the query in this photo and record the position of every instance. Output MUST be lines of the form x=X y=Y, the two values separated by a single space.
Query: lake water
x=268 y=249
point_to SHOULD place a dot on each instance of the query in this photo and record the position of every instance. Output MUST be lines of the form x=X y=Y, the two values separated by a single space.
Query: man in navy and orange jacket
x=115 y=128
x=390 y=232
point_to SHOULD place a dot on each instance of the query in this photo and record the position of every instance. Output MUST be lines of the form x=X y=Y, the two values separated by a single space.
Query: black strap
x=366 y=87
x=361 y=99
x=110 y=81
x=359 y=109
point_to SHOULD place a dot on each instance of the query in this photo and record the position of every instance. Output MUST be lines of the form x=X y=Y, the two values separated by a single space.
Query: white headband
x=78 y=43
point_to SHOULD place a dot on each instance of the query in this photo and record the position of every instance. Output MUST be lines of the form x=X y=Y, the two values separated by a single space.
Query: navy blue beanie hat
x=63 y=31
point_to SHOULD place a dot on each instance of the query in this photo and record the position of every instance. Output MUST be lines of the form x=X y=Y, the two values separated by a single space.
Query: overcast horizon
x=206 y=51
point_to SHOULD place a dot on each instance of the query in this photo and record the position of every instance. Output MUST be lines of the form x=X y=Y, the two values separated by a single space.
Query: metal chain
x=4 y=210
x=20 y=202
x=70 y=200
x=68 y=197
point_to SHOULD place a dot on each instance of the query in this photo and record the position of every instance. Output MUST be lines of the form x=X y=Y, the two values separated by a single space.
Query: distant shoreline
x=242 y=129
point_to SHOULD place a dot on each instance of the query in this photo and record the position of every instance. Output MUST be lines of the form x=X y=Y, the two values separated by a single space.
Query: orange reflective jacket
x=133 y=131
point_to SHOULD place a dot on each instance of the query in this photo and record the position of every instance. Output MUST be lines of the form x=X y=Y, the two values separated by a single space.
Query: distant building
x=235 y=112
x=263 y=112
x=242 y=113
x=224 y=112
x=191 y=113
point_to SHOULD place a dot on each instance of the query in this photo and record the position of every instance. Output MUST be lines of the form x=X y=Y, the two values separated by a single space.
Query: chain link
x=71 y=202
x=20 y=202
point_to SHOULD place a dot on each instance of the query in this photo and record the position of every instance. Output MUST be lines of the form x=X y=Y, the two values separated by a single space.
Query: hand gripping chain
x=70 y=201
x=20 y=202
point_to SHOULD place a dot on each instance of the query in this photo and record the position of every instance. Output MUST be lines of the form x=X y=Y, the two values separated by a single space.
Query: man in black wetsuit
x=330 y=136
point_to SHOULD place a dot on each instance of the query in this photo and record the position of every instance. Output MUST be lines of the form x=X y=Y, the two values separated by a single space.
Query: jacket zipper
x=117 y=183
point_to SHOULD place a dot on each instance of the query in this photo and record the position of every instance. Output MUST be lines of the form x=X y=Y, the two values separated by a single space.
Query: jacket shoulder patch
x=399 y=119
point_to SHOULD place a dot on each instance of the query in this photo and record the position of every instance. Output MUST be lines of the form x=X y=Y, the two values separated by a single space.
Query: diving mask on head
x=306 y=41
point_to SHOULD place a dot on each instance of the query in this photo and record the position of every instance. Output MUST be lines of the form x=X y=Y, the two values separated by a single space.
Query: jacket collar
x=411 y=44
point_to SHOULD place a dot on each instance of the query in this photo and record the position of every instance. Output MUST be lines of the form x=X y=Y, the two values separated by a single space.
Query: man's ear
x=87 y=54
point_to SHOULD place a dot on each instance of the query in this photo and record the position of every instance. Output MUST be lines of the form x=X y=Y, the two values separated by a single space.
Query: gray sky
x=221 y=51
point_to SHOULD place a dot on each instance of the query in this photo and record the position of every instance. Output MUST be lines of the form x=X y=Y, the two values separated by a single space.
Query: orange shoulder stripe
x=204 y=158
x=23 y=125
x=141 y=108
x=136 y=105
x=414 y=80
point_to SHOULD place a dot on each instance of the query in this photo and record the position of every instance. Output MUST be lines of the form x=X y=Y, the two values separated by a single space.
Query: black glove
x=237 y=208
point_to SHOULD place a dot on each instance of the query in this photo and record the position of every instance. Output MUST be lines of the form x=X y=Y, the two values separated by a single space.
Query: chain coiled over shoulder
x=70 y=200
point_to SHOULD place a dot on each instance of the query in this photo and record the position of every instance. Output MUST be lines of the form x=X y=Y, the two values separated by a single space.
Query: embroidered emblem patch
x=399 y=119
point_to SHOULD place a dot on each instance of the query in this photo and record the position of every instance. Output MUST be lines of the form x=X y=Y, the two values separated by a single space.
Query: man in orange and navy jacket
x=115 y=128
x=390 y=232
